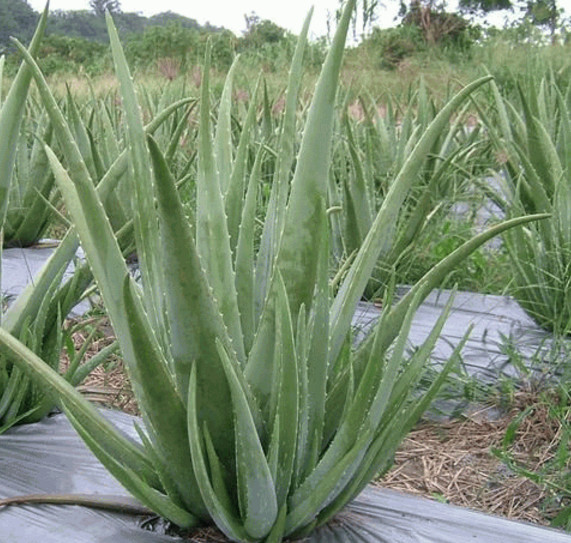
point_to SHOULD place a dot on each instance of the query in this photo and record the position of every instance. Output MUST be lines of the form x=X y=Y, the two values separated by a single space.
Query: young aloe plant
x=258 y=417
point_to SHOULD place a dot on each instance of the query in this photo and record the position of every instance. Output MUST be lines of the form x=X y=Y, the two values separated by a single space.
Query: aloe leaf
x=28 y=302
x=175 y=140
x=11 y=115
x=387 y=405
x=273 y=223
x=81 y=135
x=302 y=346
x=317 y=352
x=161 y=404
x=224 y=519
x=287 y=398
x=119 y=166
x=2 y=62
x=194 y=328
x=167 y=483
x=97 y=239
x=256 y=491
x=100 y=252
x=212 y=239
x=110 y=147
x=260 y=368
x=15 y=383
x=360 y=271
x=245 y=256
x=137 y=486
x=385 y=444
x=307 y=510
x=436 y=274
x=358 y=190
x=535 y=141
x=365 y=411
x=146 y=231
x=296 y=258
x=79 y=374
x=223 y=134
x=267 y=123
x=218 y=473
x=233 y=199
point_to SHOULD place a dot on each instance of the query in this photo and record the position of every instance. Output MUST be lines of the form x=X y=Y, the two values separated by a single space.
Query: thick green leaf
x=161 y=404
x=256 y=491
x=223 y=134
x=296 y=258
x=194 y=327
x=146 y=231
x=234 y=197
x=273 y=224
x=11 y=115
x=123 y=450
x=245 y=257
x=212 y=238
x=225 y=520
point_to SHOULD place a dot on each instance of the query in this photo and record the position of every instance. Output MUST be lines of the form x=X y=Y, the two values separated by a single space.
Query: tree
x=438 y=26
x=260 y=31
x=17 y=19
x=101 y=6
x=484 y=6
x=543 y=13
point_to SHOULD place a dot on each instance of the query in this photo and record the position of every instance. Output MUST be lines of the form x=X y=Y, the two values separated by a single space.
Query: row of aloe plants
x=38 y=314
x=258 y=416
x=533 y=138
x=369 y=155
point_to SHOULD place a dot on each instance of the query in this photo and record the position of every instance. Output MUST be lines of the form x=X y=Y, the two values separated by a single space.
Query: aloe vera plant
x=31 y=200
x=258 y=415
x=367 y=158
x=533 y=138
x=36 y=316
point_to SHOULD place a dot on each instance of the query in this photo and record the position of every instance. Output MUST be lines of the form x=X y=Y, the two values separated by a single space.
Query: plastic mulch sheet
x=48 y=457
x=21 y=265
x=498 y=322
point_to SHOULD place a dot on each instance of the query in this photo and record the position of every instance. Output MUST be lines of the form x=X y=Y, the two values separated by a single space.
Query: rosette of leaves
x=533 y=141
x=31 y=202
x=258 y=415
x=369 y=155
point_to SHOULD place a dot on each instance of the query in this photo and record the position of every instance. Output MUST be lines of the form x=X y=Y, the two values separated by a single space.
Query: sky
x=288 y=14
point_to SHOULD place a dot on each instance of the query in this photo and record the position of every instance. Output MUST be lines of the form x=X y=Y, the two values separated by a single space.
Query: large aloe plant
x=258 y=415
